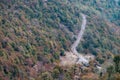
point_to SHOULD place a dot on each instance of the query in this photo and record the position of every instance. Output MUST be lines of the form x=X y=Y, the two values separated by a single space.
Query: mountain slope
x=34 y=34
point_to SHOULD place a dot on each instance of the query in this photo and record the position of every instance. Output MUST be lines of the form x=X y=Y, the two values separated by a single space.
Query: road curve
x=73 y=57
x=81 y=58
x=80 y=34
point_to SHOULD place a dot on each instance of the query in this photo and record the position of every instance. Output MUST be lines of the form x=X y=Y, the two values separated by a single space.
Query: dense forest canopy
x=34 y=34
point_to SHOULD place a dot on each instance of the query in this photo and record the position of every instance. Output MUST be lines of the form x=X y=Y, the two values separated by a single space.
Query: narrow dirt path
x=81 y=58
x=80 y=34
x=74 y=57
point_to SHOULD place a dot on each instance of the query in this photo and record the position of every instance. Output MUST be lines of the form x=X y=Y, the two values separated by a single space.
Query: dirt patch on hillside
x=68 y=60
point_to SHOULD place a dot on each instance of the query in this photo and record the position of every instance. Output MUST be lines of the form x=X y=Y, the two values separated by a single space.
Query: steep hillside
x=35 y=33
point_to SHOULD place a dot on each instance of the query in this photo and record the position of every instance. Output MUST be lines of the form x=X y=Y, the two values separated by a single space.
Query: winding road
x=81 y=58
x=79 y=37
x=73 y=57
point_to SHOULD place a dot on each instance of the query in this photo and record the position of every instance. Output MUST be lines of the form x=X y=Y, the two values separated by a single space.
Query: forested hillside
x=34 y=34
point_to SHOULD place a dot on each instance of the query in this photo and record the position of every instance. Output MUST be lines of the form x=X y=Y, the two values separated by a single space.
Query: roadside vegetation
x=35 y=33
